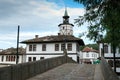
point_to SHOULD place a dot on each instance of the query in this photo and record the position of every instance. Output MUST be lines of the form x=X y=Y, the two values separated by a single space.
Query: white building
x=88 y=55
x=52 y=46
x=8 y=57
x=108 y=52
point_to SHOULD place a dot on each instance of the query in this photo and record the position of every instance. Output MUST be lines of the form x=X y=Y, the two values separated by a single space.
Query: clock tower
x=65 y=28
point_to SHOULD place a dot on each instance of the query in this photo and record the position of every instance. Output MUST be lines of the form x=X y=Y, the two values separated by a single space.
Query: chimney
x=36 y=36
x=58 y=34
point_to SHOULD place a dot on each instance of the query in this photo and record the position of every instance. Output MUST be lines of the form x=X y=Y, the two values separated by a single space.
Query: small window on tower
x=63 y=27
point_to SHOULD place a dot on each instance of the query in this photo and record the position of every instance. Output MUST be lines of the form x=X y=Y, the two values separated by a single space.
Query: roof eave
x=80 y=42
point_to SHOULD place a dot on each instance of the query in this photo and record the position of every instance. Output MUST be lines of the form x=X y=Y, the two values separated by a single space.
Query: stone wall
x=30 y=69
x=107 y=71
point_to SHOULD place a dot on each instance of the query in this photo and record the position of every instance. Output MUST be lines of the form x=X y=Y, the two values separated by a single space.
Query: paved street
x=71 y=71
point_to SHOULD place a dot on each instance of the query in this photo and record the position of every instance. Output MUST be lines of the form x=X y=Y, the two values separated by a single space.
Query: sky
x=36 y=17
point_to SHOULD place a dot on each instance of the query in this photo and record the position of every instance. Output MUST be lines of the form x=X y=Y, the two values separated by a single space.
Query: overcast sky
x=35 y=17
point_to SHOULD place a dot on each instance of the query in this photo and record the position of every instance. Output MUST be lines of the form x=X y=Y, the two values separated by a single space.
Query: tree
x=102 y=16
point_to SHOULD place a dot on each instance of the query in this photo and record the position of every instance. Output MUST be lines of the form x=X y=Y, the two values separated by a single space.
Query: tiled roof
x=87 y=49
x=55 y=38
x=12 y=51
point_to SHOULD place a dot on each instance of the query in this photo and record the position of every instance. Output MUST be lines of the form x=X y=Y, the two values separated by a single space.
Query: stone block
x=107 y=71
x=16 y=72
x=25 y=71
x=5 y=73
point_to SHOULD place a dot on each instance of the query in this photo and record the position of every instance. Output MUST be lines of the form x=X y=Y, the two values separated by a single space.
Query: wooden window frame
x=34 y=58
x=105 y=48
x=63 y=47
x=29 y=59
x=69 y=46
x=30 y=47
x=43 y=47
x=34 y=47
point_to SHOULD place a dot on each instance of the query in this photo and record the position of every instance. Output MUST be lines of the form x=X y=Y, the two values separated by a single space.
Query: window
x=44 y=47
x=34 y=58
x=93 y=55
x=63 y=28
x=29 y=59
x=68 y=33
x=87 y=55
x=10 y=58
x=62 y=47
x=15 y=58
x=7 y=58
x=2 y=58
x=118 y=49
x=69 y=47
x=56 y=47
x=32 y=47
x=41 y=58
x=96 y=55
x=106 y=48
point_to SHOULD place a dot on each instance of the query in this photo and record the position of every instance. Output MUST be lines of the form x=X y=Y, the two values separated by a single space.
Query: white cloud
x=41 y=18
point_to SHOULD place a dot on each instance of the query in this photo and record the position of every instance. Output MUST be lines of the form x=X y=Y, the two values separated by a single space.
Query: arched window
x=14 y=58
x=7 y=58
x=106 y=48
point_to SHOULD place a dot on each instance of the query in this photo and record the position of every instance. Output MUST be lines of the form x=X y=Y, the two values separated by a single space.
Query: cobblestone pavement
x=70 y=71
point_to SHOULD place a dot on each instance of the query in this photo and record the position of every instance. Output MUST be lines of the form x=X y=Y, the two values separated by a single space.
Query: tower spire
x=65 y=28
x=66 y=17
x=65 y=14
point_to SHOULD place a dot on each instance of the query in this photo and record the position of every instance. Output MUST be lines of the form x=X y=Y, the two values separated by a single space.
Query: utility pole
x=114 y=49
x=65 y=50
x=17 y=55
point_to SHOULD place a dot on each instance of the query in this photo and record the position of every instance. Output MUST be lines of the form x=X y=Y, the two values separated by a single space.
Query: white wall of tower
x=66 y=29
